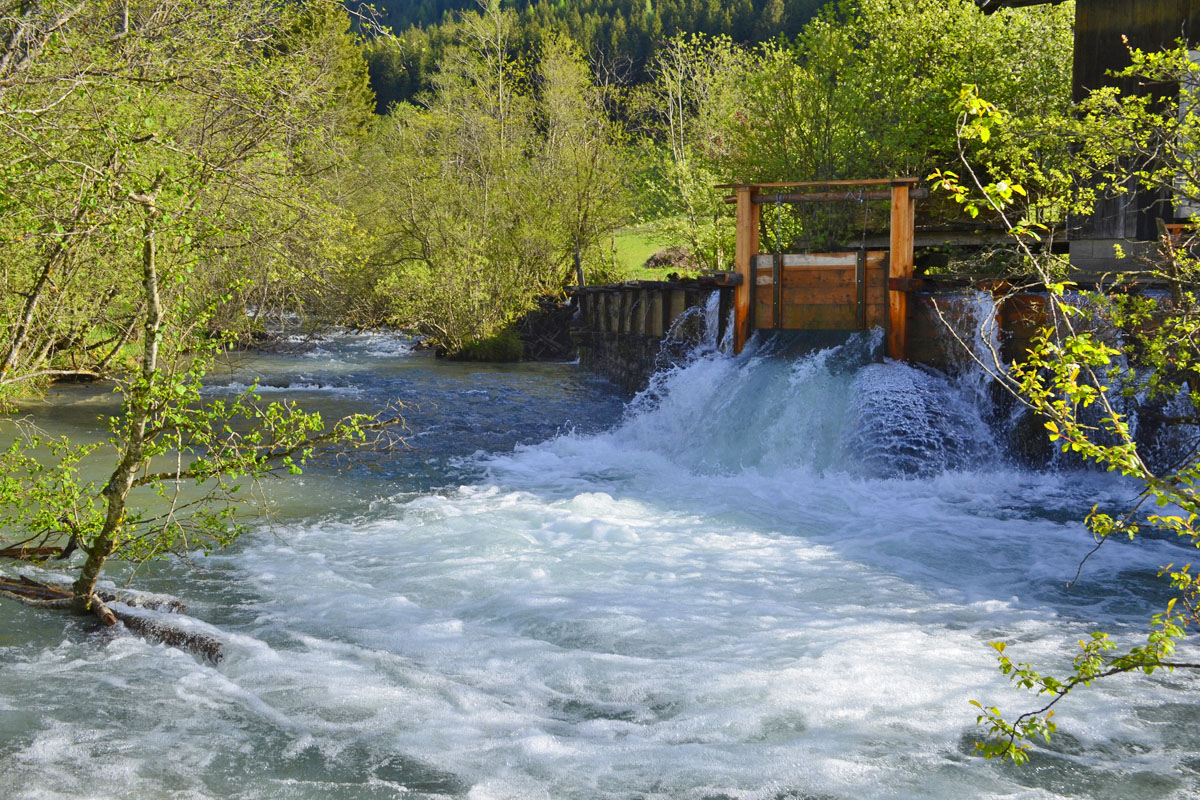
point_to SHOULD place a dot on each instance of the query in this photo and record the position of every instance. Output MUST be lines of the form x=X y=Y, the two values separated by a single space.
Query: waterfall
x=784 y=404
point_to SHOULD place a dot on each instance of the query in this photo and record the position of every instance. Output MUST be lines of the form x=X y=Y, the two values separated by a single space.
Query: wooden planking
x=1105 y=30
x=765 y=261
x=820 y=291
x=839 y=317
x=820 y=295
x=821 y=316
x=838 y=276
x=877 y=315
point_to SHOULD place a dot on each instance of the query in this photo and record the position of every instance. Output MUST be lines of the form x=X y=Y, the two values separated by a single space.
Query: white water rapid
x=771 y=579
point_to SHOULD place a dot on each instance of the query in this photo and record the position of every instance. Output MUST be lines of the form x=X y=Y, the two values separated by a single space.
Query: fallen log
x=31 y=589
x=31 y=553
x=36 y=594
x=51 y=597
x=156 y=630
x=41 y=595
x=169 y=605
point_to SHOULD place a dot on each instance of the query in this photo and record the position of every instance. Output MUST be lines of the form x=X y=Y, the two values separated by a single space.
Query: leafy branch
x=1069 y=368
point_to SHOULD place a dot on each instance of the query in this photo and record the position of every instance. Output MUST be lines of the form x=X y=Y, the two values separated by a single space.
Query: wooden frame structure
x=806 y=291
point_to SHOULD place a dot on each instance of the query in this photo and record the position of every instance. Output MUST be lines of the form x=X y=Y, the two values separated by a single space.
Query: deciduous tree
x=160 y=162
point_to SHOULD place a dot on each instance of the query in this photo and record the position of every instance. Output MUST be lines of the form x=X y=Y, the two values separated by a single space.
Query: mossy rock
x=505 y=346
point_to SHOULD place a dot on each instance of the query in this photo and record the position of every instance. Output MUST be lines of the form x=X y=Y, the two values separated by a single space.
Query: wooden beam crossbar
x=814 y=184
x=919 y=193
x=749 y=198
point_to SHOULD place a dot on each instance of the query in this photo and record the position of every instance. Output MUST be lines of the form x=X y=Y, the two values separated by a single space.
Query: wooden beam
x=821 y=316
x=900 y=266
x=992 y=6
x=799 y=184
x=743 y=260
x=920 y=193
x=820 y=261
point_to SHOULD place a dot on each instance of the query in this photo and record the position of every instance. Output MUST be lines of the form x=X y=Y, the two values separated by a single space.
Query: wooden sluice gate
x=837 y=291
x=866 y=287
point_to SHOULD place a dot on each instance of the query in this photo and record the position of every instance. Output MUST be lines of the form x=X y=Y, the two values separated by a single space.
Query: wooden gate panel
x=819 y=291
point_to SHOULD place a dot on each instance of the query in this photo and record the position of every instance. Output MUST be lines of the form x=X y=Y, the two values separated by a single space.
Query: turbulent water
x=767 y=577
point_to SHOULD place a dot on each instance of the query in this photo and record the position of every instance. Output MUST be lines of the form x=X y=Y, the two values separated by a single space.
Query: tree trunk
x=21 y=334
x=133 y=459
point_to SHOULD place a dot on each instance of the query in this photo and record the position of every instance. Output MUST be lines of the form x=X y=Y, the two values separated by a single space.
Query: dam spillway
x=626 y=331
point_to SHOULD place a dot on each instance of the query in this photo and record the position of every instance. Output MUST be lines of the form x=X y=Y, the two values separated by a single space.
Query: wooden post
x=654 y=313
x=743 y=261
x=676 y=306
x=900 y=269
x=642 y=307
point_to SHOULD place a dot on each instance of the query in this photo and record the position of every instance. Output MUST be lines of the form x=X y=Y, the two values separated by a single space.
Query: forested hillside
x=621 y=37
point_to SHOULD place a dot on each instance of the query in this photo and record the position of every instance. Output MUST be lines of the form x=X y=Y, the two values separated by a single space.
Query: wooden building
x=1104 y=32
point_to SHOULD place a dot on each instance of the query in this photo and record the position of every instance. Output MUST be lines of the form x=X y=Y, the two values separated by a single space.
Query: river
x=767 y=578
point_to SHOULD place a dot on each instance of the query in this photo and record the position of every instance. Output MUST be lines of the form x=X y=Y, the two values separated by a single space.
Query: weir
x=623 y=330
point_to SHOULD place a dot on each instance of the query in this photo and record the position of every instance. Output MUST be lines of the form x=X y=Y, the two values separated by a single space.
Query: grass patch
x=632 y=246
